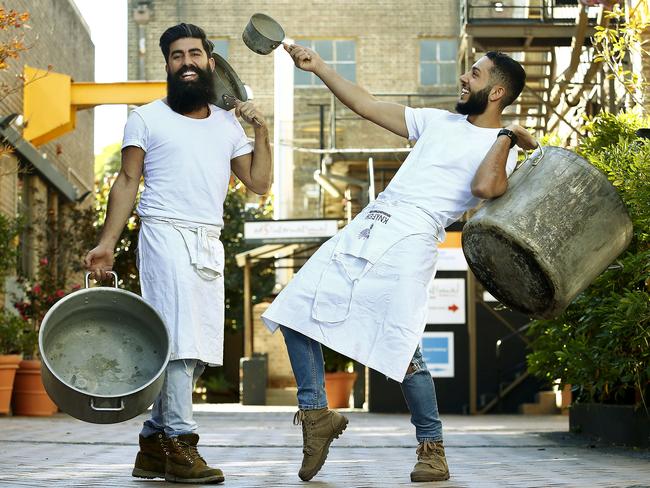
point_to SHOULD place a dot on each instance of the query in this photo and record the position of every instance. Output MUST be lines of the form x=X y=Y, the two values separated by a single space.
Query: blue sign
x=438 y=353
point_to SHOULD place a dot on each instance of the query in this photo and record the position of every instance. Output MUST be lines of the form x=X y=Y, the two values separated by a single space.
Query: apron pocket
x=333 y=297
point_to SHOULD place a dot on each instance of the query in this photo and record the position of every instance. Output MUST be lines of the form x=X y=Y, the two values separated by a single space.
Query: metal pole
x=321 y=109
x=141 y=52
x=248 y=322
x=471 y=333
x=371 y=180
x=333 y=122
x=498 y=360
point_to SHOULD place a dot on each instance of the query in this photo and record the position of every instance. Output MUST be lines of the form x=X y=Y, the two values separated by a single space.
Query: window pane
x=220 y=47
x=428 y=74
x=427 y=50
x=448 y=74
x=345 y=50
x=301 y=77
x=324 y=48
x=447 y=50
x=304 y=42
x=347 y=71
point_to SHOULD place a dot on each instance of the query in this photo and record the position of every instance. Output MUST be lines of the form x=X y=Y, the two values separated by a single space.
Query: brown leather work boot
x=432 y=464
x=150 y=461
x=319 y=429
x=185 y=464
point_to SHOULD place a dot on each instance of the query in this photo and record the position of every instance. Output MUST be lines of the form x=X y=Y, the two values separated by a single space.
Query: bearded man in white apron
x=364 y=292
x=186 y=148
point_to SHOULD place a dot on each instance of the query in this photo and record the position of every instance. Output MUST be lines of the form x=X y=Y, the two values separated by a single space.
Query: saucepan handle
x=106 y=409
x=87 y=280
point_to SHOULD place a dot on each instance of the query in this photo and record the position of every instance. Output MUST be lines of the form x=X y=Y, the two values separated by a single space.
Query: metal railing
x=518 y=11
x=501 y=391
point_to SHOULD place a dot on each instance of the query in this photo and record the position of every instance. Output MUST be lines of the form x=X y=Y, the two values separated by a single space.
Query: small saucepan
x=262 y=34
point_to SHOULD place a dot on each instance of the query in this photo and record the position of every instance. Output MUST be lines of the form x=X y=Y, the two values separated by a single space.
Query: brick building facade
x=58 y=37
x=400 y=60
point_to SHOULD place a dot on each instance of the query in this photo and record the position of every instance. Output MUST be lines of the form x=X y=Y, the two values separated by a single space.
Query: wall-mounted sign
x=438 y=353
x=289 y=231
x=451 y=259
x=450 y=253
x=446 y=301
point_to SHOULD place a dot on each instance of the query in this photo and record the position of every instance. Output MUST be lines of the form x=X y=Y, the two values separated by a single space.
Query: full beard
x=475 y=104
x=185 y=97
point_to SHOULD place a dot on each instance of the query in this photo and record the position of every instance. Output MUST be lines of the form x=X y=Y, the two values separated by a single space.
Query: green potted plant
x=11 y=335
x=11 y=326
x=599 y=345
x=30 y=397
x=339 y=378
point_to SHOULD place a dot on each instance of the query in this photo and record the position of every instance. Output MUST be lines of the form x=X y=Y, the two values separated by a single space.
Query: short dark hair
x=182 y=31
x=508 y=73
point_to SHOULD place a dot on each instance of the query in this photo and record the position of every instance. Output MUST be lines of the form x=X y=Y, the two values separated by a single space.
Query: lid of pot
x=226 y=82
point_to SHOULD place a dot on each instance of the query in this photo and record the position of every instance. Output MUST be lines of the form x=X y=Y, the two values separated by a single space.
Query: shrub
x=601 y=343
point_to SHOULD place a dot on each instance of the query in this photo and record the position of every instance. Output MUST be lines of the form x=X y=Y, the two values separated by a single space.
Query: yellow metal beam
x=88 y=95
x=46 y=105
x=51 y=101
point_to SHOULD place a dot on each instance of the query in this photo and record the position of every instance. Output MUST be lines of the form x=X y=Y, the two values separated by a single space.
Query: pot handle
x=106 y=409
x=528 y=157
x=87 y=279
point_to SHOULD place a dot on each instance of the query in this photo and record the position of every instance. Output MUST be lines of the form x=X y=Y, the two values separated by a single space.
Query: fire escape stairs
x=549 y=97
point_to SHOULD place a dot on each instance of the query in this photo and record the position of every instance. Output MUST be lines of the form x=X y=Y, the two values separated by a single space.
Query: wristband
x=510 y=134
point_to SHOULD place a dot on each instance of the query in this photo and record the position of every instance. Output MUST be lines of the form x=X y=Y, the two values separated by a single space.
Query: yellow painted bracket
x=51 y=101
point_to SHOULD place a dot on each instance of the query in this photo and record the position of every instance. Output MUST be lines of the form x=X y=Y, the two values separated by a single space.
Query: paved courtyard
x=259 y=447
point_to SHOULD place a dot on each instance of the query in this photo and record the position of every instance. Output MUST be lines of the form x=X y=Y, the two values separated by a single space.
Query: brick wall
x=386 y=32
x=58 y=37
x=280 y=374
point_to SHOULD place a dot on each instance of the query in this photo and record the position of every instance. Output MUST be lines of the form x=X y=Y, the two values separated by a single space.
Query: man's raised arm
x=385 y=114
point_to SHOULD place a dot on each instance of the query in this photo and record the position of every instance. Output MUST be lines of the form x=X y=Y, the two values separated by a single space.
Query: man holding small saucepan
x=186 y=148
x=364 y=292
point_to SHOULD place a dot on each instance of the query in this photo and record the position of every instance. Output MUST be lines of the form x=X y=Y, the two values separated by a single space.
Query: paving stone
x=259 y=447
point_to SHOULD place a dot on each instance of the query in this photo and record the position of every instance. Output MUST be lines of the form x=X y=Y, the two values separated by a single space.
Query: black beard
x=184 y=97
x=475 y=104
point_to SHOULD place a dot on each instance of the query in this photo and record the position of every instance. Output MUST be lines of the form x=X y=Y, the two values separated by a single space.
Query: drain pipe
x=142 y=16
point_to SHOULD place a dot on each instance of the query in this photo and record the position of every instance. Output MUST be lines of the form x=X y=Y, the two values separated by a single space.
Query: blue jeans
x=172 y=409
x=306 y=358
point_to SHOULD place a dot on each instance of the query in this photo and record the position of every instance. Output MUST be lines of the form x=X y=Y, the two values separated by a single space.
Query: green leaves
x=617 y=44
x=600 y=343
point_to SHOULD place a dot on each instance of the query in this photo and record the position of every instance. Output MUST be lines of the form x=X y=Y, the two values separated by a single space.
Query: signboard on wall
x=289 y=231
x=438 y=353
x=450 y=253
x=447 y=301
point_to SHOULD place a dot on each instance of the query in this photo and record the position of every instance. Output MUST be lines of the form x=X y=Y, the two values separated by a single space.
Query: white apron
x=364 y=292
x=181 y=276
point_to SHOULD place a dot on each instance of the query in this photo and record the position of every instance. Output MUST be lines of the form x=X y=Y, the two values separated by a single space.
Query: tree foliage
x=601 y=343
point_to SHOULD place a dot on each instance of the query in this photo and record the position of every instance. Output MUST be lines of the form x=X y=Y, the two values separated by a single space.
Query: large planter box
x=613 y=424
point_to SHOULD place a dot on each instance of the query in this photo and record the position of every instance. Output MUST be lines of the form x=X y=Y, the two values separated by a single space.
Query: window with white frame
x=438 y=62
x=339 y=54
x=220 y=47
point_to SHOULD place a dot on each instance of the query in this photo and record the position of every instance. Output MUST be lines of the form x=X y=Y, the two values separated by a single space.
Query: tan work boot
x=432 y=464
x=185 y=464
x=319 y=429
x=150 y=461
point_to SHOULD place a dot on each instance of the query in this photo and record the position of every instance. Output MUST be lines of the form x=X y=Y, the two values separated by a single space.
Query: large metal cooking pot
x=559 y=225
x=103 y=351
x=262 y=34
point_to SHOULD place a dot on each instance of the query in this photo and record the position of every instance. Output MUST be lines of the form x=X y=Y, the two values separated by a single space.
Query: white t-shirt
x=186 y=162
x=437 y=174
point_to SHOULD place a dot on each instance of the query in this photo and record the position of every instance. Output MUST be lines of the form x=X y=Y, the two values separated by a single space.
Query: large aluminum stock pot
x=103 y=351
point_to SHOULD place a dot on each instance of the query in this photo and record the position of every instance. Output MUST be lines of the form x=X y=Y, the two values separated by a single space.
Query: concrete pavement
x=259 y=447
